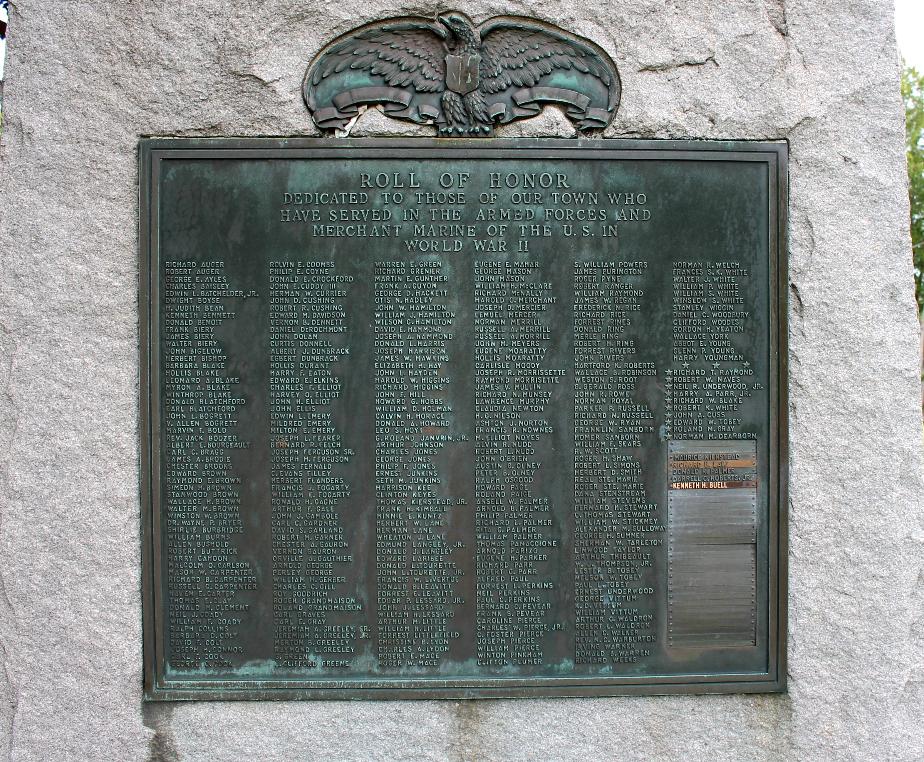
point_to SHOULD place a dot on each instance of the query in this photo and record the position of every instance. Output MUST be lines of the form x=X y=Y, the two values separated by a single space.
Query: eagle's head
x=461 y=27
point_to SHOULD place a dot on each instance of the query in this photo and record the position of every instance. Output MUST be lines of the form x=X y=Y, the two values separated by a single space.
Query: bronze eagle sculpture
x=463 y=78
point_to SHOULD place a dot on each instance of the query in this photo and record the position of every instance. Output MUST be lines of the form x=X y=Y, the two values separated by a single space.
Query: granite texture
x=85 y=80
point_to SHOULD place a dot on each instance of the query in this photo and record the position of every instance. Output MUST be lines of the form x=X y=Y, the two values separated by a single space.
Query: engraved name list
x=500 y=420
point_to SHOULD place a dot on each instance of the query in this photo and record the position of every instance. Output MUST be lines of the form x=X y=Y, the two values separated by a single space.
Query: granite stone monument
x=93 y=90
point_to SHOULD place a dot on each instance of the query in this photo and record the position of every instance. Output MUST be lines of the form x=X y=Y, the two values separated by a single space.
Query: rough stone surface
x=85 y=80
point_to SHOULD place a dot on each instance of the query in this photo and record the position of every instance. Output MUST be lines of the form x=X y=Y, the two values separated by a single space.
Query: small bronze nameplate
x=494 y=418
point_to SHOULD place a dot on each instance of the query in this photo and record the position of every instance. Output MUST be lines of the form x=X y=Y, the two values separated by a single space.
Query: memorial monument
x=477 y=384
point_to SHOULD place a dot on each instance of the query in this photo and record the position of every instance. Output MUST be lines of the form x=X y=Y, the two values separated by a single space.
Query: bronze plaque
x=468 y=419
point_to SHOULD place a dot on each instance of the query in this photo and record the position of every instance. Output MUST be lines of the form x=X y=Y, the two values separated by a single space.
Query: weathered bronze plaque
x=463 y=418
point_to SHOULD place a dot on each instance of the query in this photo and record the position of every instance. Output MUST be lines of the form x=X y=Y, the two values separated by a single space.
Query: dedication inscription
x=500 y=418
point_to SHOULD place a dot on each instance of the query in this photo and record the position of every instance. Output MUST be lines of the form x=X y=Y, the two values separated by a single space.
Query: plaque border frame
x=152 y=151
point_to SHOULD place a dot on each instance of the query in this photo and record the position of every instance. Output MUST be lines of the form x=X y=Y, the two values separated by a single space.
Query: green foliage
x=913 y=95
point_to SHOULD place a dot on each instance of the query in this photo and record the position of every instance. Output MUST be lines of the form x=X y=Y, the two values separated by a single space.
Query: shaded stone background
x=85 y=80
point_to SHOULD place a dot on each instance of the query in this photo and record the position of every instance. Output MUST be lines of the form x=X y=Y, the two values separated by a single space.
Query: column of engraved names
x=710 y=376
x=712 y=490
x=729 y=318
x=416 y=572
x=201 y=493
x=307 y=453
x=513 y=519
x=616 y=526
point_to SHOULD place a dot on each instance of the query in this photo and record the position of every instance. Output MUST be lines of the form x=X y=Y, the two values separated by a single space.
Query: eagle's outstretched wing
x=525 y=64
x=399 y=64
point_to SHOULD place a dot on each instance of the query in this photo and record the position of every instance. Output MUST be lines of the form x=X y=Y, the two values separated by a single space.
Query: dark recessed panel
x=479 y=418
